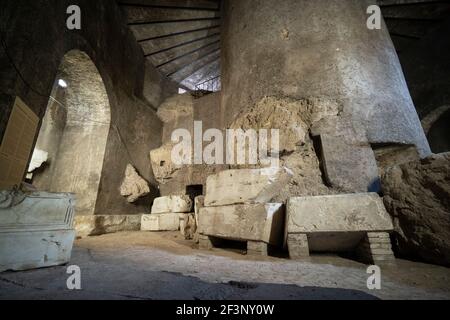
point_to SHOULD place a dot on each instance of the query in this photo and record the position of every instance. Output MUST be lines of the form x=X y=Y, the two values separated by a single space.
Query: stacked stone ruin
x=237 y=207
x=167 y=214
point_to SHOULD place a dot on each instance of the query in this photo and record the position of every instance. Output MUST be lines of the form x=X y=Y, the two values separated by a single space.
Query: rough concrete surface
x=142 y=266
x=306 y=55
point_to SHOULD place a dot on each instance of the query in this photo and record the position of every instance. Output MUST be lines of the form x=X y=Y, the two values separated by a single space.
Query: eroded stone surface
x=176 y=204
x=95 y=225
x=37 y=159
x=257 y=222
x=133 y=186
x=297 y=120
x=245 y=186
x=417 y=195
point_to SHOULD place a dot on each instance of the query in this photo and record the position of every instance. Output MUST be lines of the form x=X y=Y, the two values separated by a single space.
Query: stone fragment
x=175 y=107
x=257 y=248
x=36 y=231
x=160 y=222
x=95 y=225
x=337 y=222
x=245 y=222
x=172 y=204
x=417 y=195
x=245 y=186
x=133 y=186
x=188 y=226
x=199 y=202
x=349 y=166
x=162 y=165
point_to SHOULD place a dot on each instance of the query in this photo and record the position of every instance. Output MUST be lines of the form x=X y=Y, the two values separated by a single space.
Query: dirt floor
x=142 y=265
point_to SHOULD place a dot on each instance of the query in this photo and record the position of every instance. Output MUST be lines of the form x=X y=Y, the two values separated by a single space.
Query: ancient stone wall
x=36 y=39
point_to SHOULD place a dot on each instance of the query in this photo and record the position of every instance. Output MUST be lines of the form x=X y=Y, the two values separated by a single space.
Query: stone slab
x=24 y=250
x=172 y=204
x=337 y=223
x=160 y=222
x=245 y=222
x=36 y=229
x=245 y=186
x=95 y=225
x=199 y=202
x=362 y=212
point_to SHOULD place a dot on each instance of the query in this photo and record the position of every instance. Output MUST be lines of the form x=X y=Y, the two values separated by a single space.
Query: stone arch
x=74 y=132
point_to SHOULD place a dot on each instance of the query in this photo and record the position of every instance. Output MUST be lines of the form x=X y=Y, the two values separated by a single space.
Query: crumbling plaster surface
x=319 y=49
x=37 y=39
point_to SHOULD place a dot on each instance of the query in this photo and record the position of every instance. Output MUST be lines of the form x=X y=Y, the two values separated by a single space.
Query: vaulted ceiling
x=182 y=37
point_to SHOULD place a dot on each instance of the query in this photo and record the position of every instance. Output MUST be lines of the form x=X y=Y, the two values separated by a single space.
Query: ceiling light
x=62 y=83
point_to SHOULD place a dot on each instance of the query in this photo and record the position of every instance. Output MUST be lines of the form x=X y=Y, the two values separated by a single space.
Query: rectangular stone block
x=257 y=222
x=36 y=230
x=172 y=204
x=371 y=251
x=24 y=250
x=337 y=222
x=245 y=186
x=338 y=213
x=160 y=222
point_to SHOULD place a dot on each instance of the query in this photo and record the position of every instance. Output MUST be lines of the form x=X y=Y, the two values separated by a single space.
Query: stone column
x=321 y=48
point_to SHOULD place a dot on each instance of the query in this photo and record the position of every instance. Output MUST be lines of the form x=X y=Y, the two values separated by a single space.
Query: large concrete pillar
x=320 y=48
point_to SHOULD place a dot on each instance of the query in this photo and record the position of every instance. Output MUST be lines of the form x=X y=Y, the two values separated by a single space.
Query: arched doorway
x=74 y=133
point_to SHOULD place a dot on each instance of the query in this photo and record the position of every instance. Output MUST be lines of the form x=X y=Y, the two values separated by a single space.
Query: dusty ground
x=139 y=265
